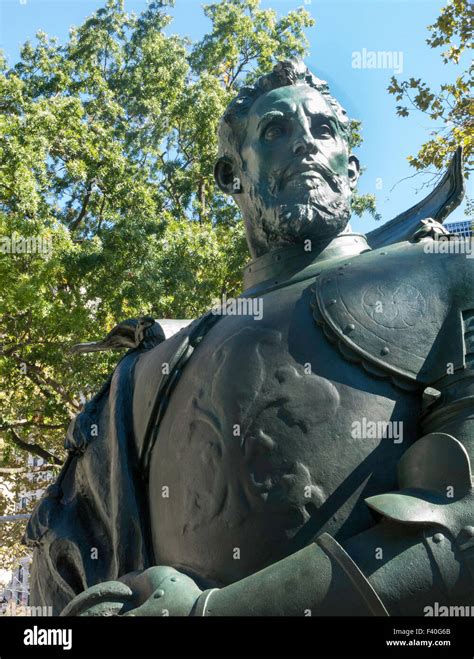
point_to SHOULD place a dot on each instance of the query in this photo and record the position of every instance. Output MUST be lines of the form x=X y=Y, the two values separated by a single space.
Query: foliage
x=452 y=105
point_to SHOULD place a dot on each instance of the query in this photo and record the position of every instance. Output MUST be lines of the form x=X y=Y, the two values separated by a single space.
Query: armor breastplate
x=257 y=451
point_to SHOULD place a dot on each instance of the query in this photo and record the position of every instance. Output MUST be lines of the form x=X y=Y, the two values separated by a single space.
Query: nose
x=303 y=144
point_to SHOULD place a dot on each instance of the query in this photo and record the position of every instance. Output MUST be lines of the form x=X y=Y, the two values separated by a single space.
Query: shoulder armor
x=403 y=312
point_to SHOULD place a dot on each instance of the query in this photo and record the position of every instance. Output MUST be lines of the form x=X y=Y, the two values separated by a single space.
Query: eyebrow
x=279 y=114
x=273 y=114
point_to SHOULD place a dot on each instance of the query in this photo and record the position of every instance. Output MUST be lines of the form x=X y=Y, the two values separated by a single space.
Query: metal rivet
x=174 y=579
x=385 y=350
x=330 y=302
x=438 y=537
x=159 y=593
x=350 y=327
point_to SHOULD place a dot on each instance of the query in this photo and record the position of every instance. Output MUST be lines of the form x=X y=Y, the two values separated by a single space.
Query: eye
x=323 y=131
x=273 y=132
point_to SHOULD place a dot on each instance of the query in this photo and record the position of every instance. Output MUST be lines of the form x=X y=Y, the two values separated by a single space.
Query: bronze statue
x=312 y=461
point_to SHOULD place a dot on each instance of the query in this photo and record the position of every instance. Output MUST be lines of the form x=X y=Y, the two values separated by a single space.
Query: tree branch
x=31 y=447
x=82 y=213
x=101 y=215
x=435 y=175
x=59 y=389
x=24 y=423
x=233 y=78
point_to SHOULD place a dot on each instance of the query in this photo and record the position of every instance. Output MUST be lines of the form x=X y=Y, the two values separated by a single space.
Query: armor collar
x=287 y=265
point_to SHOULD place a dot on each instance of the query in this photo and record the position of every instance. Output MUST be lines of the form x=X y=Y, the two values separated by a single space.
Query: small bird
x=131 y=333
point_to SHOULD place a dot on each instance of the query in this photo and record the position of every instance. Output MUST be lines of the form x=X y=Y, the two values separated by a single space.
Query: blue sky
x=343 y=27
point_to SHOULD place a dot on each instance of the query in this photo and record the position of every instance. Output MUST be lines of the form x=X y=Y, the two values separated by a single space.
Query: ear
x=226 y=177
x=353 y=171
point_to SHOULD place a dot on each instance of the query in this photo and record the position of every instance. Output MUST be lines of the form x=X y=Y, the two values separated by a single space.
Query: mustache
x=308 y=166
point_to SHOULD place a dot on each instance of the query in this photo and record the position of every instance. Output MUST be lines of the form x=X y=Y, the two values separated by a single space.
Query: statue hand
x=103 y=599
x=157 y=591
x=161 y=591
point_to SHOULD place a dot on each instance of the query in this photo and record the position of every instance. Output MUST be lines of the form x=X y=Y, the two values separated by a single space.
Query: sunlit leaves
x=452 y=106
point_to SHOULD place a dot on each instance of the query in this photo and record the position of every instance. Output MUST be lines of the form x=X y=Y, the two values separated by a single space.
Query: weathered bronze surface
x=310 y=456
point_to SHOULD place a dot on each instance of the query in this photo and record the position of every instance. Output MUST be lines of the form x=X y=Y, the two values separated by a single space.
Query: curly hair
x=287 y=72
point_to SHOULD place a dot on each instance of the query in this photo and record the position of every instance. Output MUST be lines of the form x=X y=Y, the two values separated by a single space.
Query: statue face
x=296 y=174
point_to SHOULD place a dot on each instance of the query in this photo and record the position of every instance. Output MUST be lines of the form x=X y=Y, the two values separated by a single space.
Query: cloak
x=92 y=524
x=87 y=521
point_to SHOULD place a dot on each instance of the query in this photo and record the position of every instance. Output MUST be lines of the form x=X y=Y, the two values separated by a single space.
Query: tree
x=452 y=105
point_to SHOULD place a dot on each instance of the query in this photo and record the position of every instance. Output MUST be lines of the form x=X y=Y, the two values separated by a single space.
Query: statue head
x=284 y=157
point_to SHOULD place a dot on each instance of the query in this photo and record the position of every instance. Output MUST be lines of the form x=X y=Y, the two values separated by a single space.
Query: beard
x=320 y=216
x=316 y=208
x=287 y=211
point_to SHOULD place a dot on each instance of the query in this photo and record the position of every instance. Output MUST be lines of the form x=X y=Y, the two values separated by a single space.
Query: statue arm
x=387 y=570
x=318 y=580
